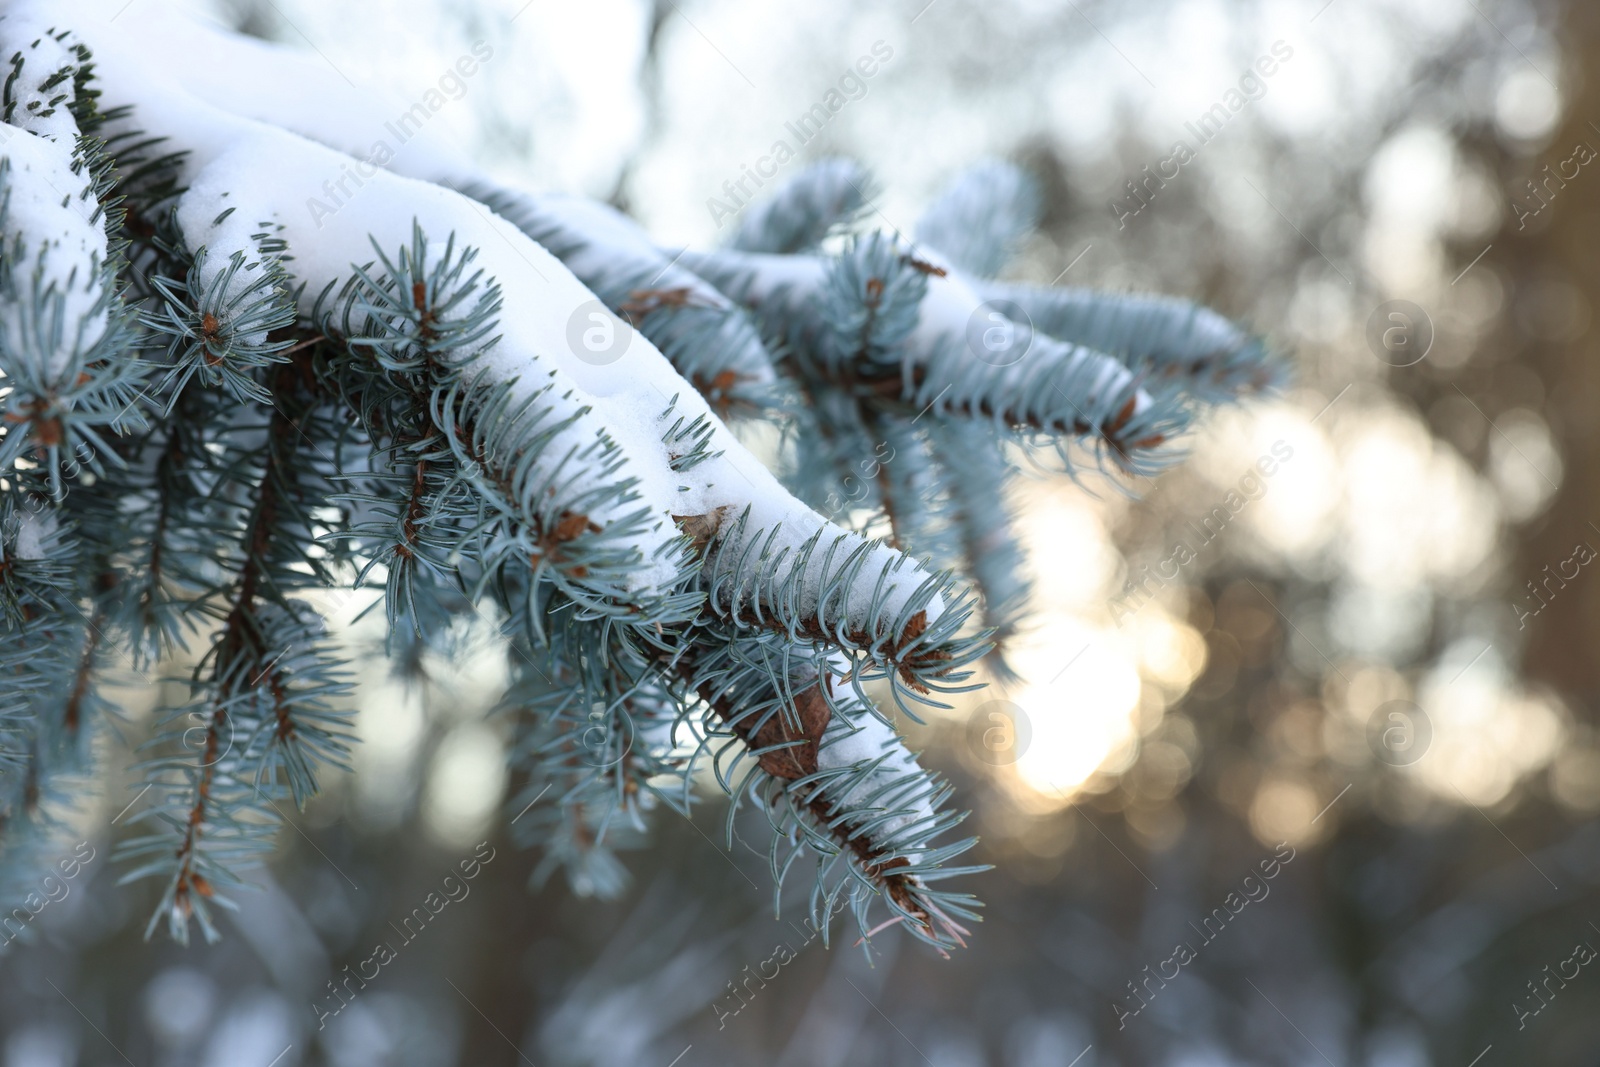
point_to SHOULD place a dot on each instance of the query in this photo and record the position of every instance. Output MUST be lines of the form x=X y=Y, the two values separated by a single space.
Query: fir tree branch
x=825 y=196
x=1168 y=341
x=395 y=387
x=981 y=218
x=838 y=784
x=708 y=339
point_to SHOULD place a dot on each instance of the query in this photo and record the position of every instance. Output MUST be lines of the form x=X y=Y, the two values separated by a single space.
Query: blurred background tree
x=1446 y=856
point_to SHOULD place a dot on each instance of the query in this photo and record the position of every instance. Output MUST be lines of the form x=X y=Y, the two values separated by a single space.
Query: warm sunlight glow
x=1487 y=732
x=1083 y=719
